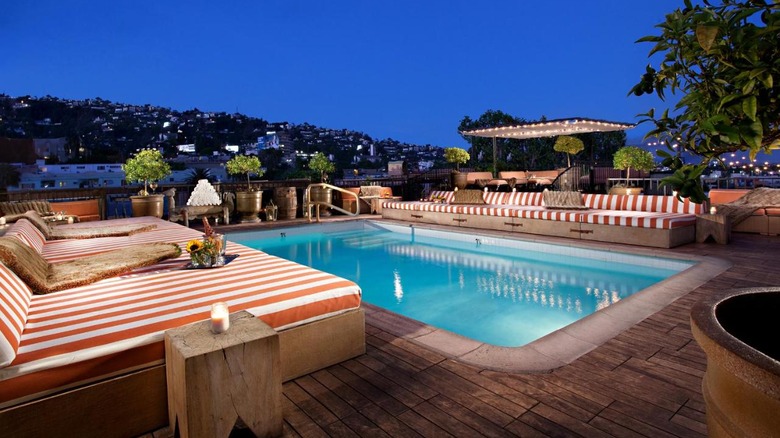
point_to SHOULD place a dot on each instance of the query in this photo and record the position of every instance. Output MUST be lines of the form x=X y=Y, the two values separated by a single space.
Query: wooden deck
x=644 y=382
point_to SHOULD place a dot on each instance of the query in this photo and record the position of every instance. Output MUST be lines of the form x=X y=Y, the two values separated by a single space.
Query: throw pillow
x=39 y=223
x=563 y=200
x=25 y=262
x=468 y=197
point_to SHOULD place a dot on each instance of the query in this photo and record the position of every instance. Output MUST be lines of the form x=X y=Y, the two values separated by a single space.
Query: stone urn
x=324 y=195
x=738 y=331
x=150 y=205
x=459 y=180
x=625 y=190
x=249 y=205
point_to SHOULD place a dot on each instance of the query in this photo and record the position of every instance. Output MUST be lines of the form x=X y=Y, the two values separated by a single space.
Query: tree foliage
x=147 y=165
x=570 y=145
x=457 y=156
x=633 y=157
x=320 y=164
x=246 y=164
x=725 y=61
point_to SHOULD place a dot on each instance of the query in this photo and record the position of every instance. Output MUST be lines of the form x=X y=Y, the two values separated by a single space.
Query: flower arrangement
x=206 y=252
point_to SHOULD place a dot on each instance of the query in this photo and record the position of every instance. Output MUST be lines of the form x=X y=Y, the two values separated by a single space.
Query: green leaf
x=705 y=35
x=749 y=107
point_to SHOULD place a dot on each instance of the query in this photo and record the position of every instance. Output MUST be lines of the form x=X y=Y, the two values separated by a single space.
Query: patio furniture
x=716 y=226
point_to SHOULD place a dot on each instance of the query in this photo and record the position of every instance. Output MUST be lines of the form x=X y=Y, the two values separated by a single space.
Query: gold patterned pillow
x=468 y=197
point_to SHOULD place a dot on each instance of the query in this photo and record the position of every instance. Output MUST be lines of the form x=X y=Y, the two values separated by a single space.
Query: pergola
x=547 y=128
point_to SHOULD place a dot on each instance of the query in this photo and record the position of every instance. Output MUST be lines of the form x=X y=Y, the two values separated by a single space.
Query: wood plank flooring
x=645 y=382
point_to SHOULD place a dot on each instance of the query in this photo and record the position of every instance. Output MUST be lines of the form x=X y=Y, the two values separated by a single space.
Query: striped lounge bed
x=647 y=220
x=89 y=361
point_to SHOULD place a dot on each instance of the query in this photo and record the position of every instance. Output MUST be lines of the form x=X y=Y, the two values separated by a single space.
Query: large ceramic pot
x=625 y=191
x=738 y=332
x=151 y=205
x=249 y=205
x=459 y=180
x=324 y=195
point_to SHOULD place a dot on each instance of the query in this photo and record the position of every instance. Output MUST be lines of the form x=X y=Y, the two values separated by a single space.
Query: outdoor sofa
x=83 y=210
x=765 y=220
x=646 y=220
x=89 y=361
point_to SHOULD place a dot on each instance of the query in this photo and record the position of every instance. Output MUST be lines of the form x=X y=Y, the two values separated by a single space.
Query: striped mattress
x=116 y=325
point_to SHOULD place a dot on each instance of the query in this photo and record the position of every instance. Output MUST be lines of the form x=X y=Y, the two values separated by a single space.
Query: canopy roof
x=550 y=128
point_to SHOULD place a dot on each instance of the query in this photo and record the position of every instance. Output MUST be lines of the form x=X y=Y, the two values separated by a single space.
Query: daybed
x=89 y=361
x=763 y=220
x=83 y=210
x=659 y=221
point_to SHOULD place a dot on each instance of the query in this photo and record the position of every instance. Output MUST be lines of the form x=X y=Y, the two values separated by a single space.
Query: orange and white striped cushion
x=443 y=193
x=487 y=210
x=494 y=198
x=550 y=215
x=641 y=219
x=604 y=202
x=524 y=198
x=133 y=311
x=27 y=233
x=662 y=204
x=14 y=306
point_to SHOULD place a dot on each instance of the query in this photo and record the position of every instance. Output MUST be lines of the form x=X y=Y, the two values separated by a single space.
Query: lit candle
x=713 y=210
x=456 y=189
x=220 y=317
x=70 y=219
x=2 y=220
x=514 y=189
x=485 y=189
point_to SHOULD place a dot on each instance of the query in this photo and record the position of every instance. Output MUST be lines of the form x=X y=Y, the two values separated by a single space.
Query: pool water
x=499 y=291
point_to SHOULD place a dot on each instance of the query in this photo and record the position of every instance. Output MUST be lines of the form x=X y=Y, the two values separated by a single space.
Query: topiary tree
x=322 y=165
x=570 y=145
x=147 y=165
x=246 y=164
x=456 y=155
x=725 y=61
x=629 y=157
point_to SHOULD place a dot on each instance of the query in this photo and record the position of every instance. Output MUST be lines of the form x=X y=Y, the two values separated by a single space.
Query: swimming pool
x=502 y=292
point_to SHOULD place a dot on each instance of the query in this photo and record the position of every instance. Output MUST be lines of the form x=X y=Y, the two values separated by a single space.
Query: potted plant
x=321 y=166
x=458 y=156
x=147 y=165
x=629 y=157
x=569 y=145
x=248 y=202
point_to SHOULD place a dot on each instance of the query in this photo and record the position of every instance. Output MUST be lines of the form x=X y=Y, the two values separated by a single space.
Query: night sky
x=408 y=70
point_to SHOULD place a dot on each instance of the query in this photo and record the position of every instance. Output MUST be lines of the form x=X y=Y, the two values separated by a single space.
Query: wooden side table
x=216 y=379
x=716 y=225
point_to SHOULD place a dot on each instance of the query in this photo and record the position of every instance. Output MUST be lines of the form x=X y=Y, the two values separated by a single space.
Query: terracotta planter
x=738 y=332
x=249 y=205
x=625 y=191
x=151 y=205
x=322 y=194
x=459 y=180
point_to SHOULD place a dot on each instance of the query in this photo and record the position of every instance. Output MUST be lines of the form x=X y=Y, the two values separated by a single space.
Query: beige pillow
x=25 y=261
x=39 y=223
x=468 y=197
x=59 y=233
x=563 y=200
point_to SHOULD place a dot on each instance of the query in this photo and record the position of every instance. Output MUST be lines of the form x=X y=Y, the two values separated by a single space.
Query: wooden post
x=215 y=380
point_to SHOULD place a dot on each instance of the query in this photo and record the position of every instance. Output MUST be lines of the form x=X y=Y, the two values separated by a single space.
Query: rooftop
x=644 y=382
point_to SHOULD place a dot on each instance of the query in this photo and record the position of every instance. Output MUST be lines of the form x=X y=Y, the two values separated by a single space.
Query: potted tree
x=248 y=202
x=569 y=145
x=629 y=157
x=458 y=156
x=321 y=166
x=148 y=166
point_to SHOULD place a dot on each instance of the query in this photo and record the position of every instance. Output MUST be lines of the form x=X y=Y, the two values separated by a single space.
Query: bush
x=456 y=155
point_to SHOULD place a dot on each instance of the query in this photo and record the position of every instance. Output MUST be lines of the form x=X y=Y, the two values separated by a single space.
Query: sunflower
x=194 y=245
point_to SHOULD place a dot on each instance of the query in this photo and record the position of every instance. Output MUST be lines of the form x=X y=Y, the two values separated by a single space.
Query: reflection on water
x=498 y=295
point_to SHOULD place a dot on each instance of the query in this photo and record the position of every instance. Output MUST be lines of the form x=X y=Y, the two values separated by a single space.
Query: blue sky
x=409 y=70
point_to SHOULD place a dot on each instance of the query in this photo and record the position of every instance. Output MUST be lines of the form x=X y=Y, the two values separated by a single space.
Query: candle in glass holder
x=485 y=189
x=220 y=317
x=70 y=219
x=713 y=210
x=2 y=220
x=456 y=188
